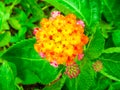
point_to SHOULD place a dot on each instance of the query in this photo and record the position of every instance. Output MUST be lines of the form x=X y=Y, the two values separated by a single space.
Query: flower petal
x=80 y=22
x=80 y=56
x=35 y=30
x=42 y=55
x=54 y=14
x=54 y=64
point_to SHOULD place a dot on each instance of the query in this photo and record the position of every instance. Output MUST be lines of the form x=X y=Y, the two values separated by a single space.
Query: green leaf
x=31 y=68
x=24 y=4
x=6 y=77
x=109 y=42
x=11 y=1
x=5 y=25
x=85 y=79
x=0 y=24
x=112 y=50
x=101 y=82
x=35 y=10
x=57 y=85
x=21 y=33
x=2 y=7
x=116 y=37
x=115 y=86
x=111 y=11
x=95 y=12
x=14 y=38
x=96 y=45
x=4 y=16
x=18 y=81
x=87 y=10
x=14 y=23
x=20 y=15
x=111 y=65
x=5 y=38
x=8 y=1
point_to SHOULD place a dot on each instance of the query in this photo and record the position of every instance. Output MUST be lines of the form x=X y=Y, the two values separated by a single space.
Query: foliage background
x=21 y=68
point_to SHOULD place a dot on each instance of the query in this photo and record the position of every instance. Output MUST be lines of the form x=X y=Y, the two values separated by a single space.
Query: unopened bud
x=97 y=66
x=72 y=70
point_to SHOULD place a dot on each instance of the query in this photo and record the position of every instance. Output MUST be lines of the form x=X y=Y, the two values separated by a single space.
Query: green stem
x=45 y=7
x=109 y=76
x=12 y=6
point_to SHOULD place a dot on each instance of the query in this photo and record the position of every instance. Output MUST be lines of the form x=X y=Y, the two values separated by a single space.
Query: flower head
x=60 y=39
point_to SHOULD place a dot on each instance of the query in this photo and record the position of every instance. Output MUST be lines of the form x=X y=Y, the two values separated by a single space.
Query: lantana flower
x=60 y=39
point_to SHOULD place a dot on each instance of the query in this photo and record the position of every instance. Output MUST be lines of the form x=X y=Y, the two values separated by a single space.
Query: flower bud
x=72 y=70
x=97 y=66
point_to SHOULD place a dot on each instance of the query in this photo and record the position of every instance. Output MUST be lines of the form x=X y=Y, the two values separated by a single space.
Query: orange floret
x=60 y=38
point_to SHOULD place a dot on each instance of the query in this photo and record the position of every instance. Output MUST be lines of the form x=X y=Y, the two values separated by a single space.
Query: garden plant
x=59 y=44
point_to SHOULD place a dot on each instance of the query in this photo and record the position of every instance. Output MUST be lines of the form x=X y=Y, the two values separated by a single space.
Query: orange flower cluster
x=60 y=39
